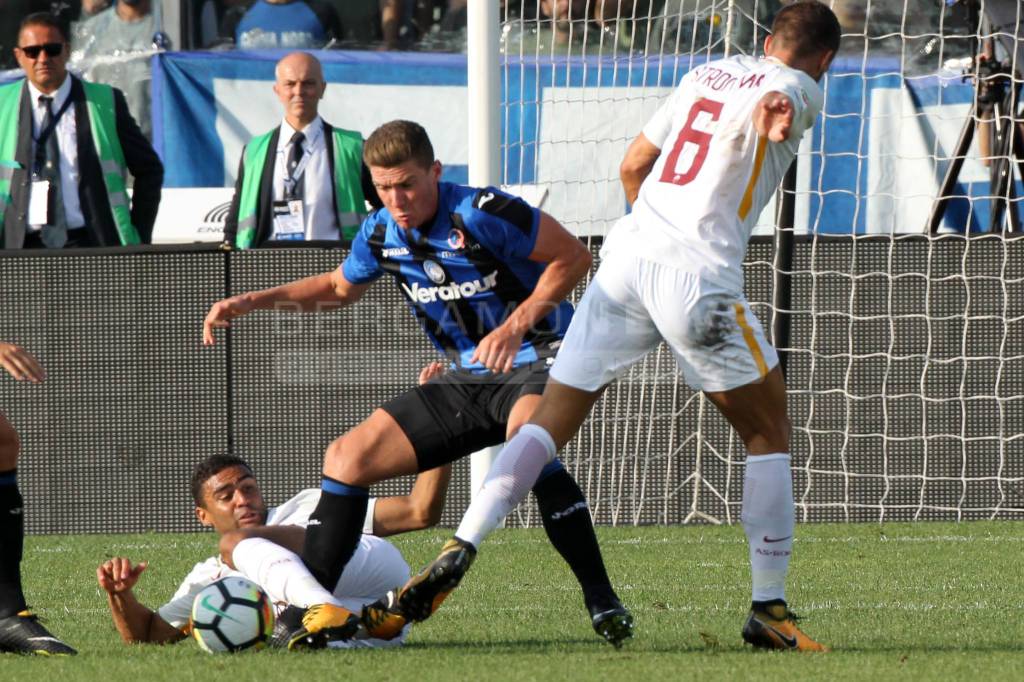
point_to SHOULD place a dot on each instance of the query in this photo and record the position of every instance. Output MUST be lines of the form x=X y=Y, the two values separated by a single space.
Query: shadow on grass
x=543 y=646
x=590 y=646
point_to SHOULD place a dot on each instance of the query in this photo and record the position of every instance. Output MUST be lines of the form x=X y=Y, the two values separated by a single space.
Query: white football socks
x=769 y=518
x=512 y=475
x=280 y=572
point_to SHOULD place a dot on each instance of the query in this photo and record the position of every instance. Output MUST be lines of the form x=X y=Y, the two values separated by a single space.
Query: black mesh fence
x=906 y=372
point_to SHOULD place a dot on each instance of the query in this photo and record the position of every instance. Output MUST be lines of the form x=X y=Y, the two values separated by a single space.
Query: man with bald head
x=305 y=179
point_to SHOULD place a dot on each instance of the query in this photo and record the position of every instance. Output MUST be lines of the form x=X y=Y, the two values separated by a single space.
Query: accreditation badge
x=289 y=223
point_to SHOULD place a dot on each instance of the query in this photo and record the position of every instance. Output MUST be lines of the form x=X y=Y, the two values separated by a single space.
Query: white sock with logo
x=769 y=518
x=513 y=473
x=280 y=572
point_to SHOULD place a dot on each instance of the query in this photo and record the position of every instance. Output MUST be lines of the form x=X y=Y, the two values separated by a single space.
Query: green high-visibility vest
x=99 y=101
x=348 y=187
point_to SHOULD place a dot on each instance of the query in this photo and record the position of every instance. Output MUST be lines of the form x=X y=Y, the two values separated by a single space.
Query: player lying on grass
x=697 y=176
x=20 y=629
x=486 y=276
x=261 y=544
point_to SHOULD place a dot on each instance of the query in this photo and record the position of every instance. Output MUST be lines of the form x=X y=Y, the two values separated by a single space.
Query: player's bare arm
x=420 y=509
x=134 y=621
x=20 y=364
x=773 y=116
x=636 y=165
x=568 y=260
x=317 y=293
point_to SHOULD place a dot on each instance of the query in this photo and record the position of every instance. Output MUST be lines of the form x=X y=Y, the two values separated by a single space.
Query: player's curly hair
x=807 y=27
x=396 y=142
x=209 y=467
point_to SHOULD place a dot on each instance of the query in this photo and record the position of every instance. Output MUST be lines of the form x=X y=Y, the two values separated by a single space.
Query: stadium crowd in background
x=287 y=24
x=68 y=147
x=115 y=46
x=113 y=41
x=305 y=179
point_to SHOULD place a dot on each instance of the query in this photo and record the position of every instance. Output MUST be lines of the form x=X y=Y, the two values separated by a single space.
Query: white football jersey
x=699 y=204
x=376 y=567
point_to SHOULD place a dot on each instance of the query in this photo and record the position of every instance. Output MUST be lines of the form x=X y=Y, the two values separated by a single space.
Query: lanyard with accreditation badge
x=42 y=185
x=289 y=218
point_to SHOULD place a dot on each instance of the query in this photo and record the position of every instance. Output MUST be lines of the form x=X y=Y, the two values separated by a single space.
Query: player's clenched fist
x=118 y=574
x=497 y=351
x=221 y=314
x=773 y=117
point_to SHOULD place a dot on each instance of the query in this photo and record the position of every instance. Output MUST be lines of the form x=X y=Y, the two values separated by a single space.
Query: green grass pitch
x=928 y=601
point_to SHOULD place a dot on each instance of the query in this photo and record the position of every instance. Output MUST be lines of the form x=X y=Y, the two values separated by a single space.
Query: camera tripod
x=997 y=99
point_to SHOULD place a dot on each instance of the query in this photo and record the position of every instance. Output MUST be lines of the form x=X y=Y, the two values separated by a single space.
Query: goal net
x=905 y=361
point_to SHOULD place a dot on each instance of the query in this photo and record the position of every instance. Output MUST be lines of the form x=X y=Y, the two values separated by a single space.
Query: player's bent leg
x=566 y=518
x=375 y=449
x=560 y=410
x=509 y=480
x=758 y=413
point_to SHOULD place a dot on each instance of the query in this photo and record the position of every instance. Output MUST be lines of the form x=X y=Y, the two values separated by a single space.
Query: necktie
x=294 y=157
x=47 y=163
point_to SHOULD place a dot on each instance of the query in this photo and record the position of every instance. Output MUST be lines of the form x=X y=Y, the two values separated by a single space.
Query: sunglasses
x=51 y=50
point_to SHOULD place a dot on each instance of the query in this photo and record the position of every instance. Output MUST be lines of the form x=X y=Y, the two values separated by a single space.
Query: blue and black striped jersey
x=464 y=273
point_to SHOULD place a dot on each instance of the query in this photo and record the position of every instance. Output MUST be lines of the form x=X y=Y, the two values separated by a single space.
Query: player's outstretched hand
x=773 y=117
x=497 y=351
x=20 y=363
x=434 y=369
x=118 y=575
x=220 y=316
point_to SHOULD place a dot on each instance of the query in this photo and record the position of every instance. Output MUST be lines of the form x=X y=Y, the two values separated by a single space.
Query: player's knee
x=10 y=446
x=346 y=458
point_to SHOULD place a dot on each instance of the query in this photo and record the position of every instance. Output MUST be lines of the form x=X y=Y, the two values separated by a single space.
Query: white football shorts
x=633 y=304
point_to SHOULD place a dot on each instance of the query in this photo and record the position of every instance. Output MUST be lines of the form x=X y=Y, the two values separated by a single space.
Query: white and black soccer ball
x=232 y=614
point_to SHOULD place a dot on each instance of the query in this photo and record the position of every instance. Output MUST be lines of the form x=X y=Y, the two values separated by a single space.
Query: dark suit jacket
x=264 y=215
x=142 y=161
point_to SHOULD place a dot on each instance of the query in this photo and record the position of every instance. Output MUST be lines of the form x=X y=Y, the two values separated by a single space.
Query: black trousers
x=78 y=238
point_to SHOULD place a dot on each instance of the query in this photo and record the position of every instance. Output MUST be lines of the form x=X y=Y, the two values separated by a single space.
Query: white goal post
x=906 y=356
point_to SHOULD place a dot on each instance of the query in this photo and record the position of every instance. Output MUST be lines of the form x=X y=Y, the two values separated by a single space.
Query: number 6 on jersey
x=671 y=173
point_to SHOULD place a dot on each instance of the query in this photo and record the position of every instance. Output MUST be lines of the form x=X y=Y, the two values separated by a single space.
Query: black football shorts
x=459 y=412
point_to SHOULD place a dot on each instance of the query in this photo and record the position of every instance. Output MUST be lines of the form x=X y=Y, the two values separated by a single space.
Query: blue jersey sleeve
x=508 y=224
x=361 y=266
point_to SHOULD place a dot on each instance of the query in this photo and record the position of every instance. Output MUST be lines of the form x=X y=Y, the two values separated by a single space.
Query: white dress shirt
x=67 y=143
x=318 y=192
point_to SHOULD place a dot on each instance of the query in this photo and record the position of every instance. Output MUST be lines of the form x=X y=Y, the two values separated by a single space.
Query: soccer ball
x=230 y=615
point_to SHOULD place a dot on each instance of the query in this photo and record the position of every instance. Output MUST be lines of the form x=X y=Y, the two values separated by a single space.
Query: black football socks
x=12 y=538
x=566 y=517
x=334 y=529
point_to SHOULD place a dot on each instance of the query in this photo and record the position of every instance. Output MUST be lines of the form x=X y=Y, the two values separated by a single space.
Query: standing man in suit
x=66 y=149
x=305 y=179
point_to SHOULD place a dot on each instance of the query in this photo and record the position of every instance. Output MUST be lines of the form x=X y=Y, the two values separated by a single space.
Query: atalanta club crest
x=456 y=240
x=434 y=271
